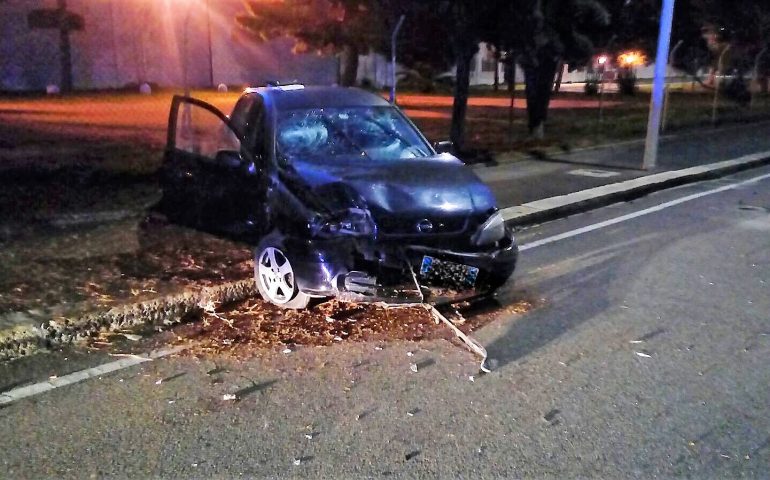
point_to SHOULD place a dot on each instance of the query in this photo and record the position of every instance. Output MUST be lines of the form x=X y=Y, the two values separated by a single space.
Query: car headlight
x=493 y=230
x=353 y=221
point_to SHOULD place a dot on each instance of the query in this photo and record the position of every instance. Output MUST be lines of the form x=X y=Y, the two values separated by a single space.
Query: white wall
x=131 y=41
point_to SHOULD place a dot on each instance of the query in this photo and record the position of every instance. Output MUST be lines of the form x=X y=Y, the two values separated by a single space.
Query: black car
x=340 y=194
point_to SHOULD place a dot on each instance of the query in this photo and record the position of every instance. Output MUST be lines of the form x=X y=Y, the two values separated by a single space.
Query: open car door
x=209 y=178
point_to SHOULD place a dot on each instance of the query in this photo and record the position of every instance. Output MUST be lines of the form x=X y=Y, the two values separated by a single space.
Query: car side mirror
x=445 y=146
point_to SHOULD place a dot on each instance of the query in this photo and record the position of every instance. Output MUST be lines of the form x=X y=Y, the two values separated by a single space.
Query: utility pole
x=211 y=49
x=393 y=79
x=658 y=87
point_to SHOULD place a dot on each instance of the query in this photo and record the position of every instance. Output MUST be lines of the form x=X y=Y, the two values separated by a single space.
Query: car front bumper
x=331 y=267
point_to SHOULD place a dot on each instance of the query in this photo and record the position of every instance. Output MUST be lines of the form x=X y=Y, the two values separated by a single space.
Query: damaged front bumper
x=394 y=273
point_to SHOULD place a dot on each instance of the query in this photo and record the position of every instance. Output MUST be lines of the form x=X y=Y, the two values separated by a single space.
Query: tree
x=742 y=24
x=554 y=31
x=341 y=26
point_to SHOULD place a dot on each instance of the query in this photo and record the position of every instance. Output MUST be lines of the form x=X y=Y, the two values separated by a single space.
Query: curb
x=562 y=206
x=27 y=339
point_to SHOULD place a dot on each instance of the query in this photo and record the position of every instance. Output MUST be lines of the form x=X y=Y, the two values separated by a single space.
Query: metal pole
x=668 y=87
x=717 y=84
x=211 y=50
x=656 y=101
x=393 y=58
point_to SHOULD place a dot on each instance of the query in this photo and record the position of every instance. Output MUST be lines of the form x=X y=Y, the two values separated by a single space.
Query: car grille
x=409 y=226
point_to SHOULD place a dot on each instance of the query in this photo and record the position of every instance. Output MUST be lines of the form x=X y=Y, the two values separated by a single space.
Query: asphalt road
x=645 y=355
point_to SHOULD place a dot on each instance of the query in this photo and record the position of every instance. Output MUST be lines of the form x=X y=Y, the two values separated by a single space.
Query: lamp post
x=211 y=50
x=656 y=101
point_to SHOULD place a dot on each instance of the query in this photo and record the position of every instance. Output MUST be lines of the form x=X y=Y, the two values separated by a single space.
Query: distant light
x=602 y=59
x=631 y=59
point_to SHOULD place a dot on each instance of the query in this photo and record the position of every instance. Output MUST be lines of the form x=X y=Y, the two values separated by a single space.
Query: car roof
x=320 y=97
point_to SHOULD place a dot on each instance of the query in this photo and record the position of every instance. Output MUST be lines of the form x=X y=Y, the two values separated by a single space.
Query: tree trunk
x=559 y=77
x=539 y=83
x=348 y=65
x=460 y=106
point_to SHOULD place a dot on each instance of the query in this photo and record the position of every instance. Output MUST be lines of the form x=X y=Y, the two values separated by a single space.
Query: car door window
x=203 y=131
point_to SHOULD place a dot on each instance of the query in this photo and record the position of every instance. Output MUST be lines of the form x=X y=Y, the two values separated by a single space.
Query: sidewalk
x=519 y=179
x=59 y=282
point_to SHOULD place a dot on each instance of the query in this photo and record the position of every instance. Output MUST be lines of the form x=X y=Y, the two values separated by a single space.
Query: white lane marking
x=592 y=172
x=640 y=213
x=42 y=387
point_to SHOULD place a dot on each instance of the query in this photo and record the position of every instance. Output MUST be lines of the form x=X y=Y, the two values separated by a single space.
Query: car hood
x=432 y=188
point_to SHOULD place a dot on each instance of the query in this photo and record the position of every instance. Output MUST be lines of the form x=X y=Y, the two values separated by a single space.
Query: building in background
x=163 y=42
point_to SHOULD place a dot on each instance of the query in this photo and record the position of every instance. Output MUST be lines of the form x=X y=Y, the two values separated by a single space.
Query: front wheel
x=275 y=277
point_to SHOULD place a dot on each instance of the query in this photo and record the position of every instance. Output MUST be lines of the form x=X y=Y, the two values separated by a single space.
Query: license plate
x=443 y=271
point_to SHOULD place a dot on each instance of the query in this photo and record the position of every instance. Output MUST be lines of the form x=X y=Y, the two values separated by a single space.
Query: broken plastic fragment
x=297 y=461
x=229 y=397
x=132 y=337
x=337 y=339
x=643 y=355
x=471 y=378
x=409 y=354
x=309 y=436
x=287 y=350
x=474 y=345
x=159 y=381
x=413 y=367
x=636 y=341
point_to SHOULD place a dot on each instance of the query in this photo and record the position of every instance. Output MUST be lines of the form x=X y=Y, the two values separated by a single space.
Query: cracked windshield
x=384 y=238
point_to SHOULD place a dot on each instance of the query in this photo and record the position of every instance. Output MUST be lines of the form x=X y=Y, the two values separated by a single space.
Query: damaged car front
x=361 y=207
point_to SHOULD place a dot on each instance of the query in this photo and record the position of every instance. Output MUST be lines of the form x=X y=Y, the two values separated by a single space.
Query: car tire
x=274 y=275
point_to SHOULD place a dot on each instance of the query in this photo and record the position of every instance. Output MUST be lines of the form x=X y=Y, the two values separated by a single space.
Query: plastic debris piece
x=337 y=339
x=472 y=344
x=309 y=436
x=635 y=342
x=287 y=350
x=643 y=355
x=413 y=367
x=297 y=461
x=409 y=354
x=131 y=336
x=171 y=402
x=329 y=319
x=158 y=381
x=471 y=378
x=378 y=348
x=229 y=397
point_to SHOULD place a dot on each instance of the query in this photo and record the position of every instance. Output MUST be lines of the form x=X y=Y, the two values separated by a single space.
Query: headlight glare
x=491 y=231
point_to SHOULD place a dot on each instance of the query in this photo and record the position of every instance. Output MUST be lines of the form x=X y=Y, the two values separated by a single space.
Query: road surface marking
x=42 y=387
x=587 y=172
x=640 y=213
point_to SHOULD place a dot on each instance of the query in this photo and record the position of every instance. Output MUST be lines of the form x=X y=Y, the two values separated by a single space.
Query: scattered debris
x=413 y=367
x=635 y=342
x=409 y=354
x=411 y=455
x=643 y=355
x=471 y=378
x=474 y=345
x=309 y=436
x=229 y=397
x=159 y=381
x=297 y=461
x=287 y=351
